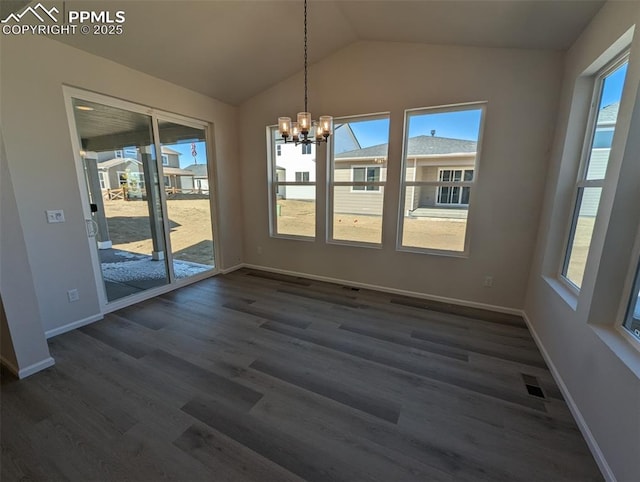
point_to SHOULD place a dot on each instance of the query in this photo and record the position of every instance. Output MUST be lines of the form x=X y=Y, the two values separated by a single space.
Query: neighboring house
x=298 y=163
x=123 y=167
x=200 y=179
x=599 y=156
x=429 y=158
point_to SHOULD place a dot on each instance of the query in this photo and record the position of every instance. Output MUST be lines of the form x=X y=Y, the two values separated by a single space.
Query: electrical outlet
x=55 y=216
x=488 y=282
x=73 y=295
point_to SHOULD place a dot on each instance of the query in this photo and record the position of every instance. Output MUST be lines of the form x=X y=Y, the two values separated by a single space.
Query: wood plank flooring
x=255 y=376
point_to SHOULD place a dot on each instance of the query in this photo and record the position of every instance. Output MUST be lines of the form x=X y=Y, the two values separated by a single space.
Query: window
x=165 y=160
x=440 y=163
x=306 y=149
x=454 y=195
x=368 y=174
x=357 y=175
x=593 y=167
x=632 y=318
x=101 y=178
x=119 y=154
x=302 y=176
x=292 y=189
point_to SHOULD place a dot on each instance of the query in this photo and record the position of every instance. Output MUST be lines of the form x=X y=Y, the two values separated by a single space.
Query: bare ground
x=189 y=221
x=298 y=217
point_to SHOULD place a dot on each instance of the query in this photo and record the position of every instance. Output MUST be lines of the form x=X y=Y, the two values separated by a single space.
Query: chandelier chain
x=305 y=56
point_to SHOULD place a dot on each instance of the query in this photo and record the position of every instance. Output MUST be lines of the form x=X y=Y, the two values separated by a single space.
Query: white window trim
x=165 y=157
x=581 y=179
x=119 y=154
x=405 y=184
x=273 y=184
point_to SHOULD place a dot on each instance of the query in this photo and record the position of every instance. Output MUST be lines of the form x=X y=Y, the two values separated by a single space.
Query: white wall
x=40 y=160
x=600 y=369
x=521 y=88
x=23 y=348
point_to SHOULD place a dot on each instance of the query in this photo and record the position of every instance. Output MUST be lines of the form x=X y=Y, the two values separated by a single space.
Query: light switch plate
x=55 y=216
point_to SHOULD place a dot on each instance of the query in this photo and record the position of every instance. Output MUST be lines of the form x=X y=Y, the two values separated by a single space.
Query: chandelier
x=305 y=131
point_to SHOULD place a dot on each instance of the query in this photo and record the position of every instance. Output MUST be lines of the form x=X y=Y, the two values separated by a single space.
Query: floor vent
x=532 y=385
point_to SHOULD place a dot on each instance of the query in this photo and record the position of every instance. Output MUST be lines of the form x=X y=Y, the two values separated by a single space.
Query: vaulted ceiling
x=232 y=50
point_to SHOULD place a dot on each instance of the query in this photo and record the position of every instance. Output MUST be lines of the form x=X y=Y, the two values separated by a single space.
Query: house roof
x=168 y=150
x=199 y=170
x=116 y=161
x=418 y=146
x=176 y=171
x=609 y=113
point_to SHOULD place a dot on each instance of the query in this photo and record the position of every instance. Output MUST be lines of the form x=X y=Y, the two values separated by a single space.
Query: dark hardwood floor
x=254 y=376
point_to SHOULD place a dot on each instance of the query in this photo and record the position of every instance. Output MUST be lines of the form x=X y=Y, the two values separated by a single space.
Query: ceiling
x=233 y=49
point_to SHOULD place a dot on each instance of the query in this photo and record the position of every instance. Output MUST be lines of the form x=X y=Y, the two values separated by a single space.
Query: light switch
x=55 y=216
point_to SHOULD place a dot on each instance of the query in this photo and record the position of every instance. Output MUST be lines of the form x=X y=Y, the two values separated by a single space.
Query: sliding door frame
x=107 y=306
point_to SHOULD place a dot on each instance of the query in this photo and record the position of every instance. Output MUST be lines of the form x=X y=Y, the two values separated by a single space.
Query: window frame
x=463 y=171
x=301 y=175
x=165 y=159
x=332 y=183
x=404 y=184
x=273 y=184
x=582 y=182
x=367 y=184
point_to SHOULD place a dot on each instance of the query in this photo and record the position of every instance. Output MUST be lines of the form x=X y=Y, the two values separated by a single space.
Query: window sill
x=293 y=237
x=433 y=252
x=567 y=295
x=356 y=244
x=627 y=350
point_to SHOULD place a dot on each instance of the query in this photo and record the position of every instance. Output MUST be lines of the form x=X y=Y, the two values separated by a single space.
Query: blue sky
x=456 y=125
x=186 y=159
x=612 y=88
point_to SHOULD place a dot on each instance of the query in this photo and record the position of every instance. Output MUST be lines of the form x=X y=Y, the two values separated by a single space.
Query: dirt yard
x=189 y=221
x=298 y=217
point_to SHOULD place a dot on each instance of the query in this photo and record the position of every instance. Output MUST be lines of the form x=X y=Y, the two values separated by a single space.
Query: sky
x=457 y=125
x=186 y=159
x=612 y=87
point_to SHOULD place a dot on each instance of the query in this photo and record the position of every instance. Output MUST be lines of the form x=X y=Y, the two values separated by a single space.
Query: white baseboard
x=386 y=289
x=36 y=367
x=233 y=268
x=573 y=408
x=72 y=326
x=30 y=370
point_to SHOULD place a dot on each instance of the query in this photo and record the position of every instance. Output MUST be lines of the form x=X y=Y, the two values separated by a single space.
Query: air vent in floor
x=532 y=385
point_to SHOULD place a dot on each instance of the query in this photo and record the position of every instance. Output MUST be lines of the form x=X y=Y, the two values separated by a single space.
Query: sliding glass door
x=148 y=195
x=188 y=193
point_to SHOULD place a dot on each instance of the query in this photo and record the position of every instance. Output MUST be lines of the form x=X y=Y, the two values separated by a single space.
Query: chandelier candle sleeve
x=284 y=126
x=326 y=123
x=304 y=122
